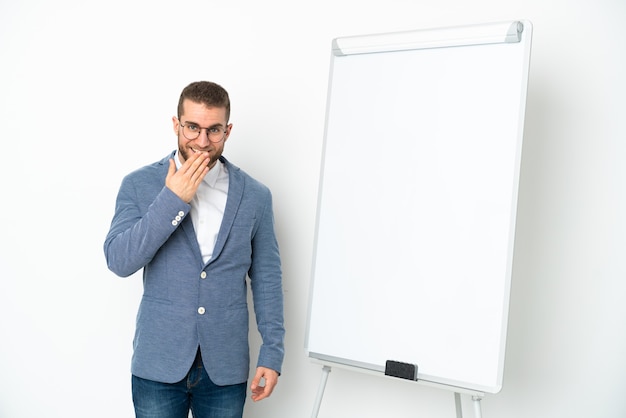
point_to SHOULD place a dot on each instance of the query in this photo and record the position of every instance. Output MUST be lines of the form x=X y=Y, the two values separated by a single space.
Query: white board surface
x=416 y=211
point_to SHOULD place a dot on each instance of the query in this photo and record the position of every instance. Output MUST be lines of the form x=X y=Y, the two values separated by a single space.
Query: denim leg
x=209 y=400
x=196 y=392
x=160 y=400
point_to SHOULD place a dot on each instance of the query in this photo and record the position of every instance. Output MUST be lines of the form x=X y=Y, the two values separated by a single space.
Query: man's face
x=197 y=115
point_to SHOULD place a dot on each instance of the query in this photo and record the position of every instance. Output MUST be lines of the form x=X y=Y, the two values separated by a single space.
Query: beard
x=186 y=153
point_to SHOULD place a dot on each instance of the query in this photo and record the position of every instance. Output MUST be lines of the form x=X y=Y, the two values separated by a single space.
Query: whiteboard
x=417 y=202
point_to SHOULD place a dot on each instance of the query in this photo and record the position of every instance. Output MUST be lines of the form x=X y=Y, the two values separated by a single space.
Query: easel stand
x=476 y=396
x=320 y=391
x=475 y=400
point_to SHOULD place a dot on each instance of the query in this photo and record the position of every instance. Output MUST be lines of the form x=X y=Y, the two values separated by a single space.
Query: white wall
x=87 y=92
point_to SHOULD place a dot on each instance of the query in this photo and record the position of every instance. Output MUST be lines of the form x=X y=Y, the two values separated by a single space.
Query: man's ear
x=176 y=124
x=229 y=127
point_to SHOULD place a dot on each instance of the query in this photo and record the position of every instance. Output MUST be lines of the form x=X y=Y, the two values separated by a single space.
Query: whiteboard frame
x=502 y=32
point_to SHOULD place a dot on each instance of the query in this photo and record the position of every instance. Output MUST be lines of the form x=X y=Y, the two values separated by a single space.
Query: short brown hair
x=206 y=92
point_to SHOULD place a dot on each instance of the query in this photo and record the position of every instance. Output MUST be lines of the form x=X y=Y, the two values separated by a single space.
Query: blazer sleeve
x=146 y=214
x=266 y=283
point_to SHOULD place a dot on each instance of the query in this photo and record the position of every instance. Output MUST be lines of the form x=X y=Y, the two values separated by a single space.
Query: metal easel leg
x=320 y=391
x=457 y=403
x=477 y=410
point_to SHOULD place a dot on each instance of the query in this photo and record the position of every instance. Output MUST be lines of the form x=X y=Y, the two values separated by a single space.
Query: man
x=198 y=226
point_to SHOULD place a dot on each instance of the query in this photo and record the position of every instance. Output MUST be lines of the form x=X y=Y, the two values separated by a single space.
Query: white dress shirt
x=207 y=207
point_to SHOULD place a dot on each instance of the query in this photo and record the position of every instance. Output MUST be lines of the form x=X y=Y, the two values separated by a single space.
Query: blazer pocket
x=152 y=299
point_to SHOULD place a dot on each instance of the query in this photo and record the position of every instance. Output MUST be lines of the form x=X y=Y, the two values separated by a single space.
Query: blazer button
x=201 y=310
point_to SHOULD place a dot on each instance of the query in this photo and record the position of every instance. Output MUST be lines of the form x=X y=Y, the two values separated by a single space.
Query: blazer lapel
x=235 y=194
x=190 y=233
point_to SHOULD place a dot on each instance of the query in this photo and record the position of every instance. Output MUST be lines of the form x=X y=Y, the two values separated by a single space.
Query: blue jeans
x=196 y=392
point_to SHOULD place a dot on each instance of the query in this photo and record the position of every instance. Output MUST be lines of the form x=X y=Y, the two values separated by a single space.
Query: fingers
x=185 y=181
x=194 y=168
x=259 y=391
x=172 y=168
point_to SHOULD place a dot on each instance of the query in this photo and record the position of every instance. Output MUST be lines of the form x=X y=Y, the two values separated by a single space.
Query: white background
x=87 y=91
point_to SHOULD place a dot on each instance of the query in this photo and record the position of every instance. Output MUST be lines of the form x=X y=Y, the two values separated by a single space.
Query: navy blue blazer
x=187 y=303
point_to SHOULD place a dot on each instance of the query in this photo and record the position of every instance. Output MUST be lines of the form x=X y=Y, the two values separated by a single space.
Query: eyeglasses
x=192 y=131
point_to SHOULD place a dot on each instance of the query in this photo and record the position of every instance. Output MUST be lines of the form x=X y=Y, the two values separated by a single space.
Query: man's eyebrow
x=215 y=125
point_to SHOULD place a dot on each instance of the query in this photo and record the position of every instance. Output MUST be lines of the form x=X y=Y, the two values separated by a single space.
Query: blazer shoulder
x=240 y=177
x=151 y=170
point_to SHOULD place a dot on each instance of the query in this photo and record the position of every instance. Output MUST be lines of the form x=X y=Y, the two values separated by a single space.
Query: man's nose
x=203 y=138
